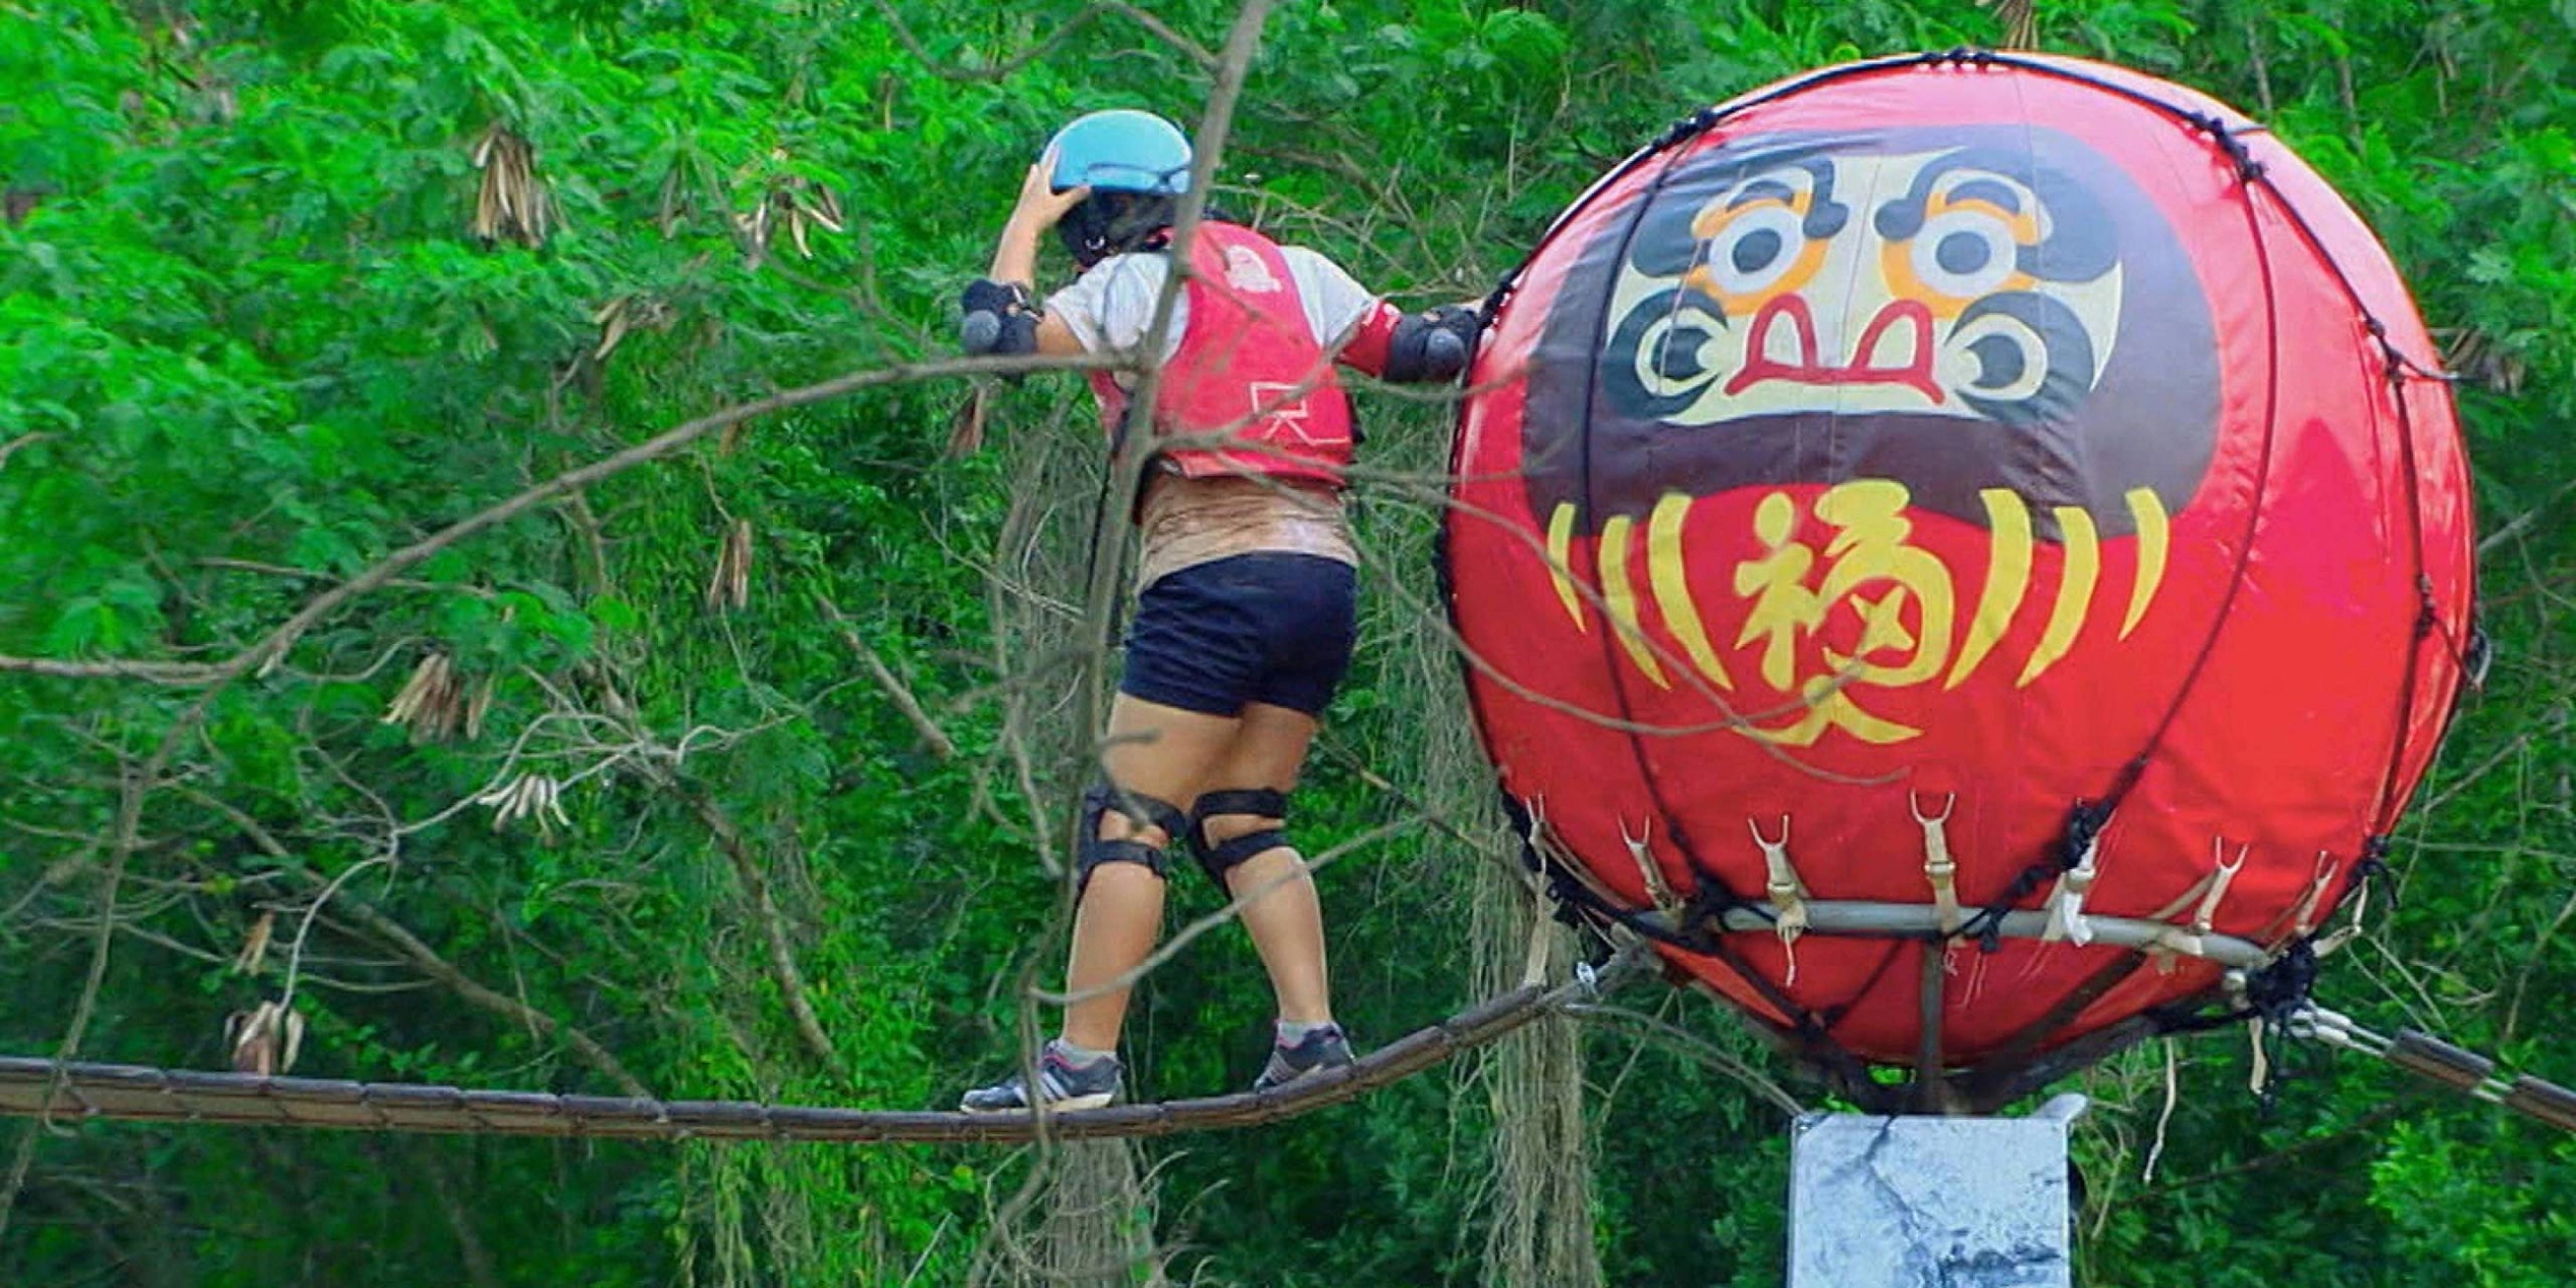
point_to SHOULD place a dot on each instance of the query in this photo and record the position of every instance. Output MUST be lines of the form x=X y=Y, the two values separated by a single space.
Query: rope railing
x=40 y=1088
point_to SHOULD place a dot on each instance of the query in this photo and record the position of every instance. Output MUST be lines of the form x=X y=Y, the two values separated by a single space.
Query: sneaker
x=1323 y=1047
x=1062 y=1086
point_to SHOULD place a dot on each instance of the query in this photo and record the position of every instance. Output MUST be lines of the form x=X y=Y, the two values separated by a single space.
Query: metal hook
x=1767 y=844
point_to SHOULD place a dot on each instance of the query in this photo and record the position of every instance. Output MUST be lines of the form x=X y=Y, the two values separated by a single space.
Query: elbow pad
x=1433 y=347
x=1000 y=319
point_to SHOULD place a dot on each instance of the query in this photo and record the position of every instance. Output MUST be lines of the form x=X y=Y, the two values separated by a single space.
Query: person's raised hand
x=1040 y=206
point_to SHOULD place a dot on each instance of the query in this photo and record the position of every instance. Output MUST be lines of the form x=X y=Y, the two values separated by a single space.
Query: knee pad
x=1222 y=857
x=1090 y=851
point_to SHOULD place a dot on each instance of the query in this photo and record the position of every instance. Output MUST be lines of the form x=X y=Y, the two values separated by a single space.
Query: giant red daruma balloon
x=1965 y=550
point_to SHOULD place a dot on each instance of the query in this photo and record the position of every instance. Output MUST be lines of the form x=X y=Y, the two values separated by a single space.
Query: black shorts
x=1269 y=628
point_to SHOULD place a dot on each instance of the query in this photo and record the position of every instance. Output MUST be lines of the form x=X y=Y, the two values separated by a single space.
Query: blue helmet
x=1122 y=151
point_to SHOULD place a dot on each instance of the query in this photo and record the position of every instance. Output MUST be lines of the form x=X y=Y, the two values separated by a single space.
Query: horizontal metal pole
x=1862 y=918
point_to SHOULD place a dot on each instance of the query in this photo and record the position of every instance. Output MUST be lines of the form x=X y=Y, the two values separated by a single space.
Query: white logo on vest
x=1285 y=405
x=1245 y=272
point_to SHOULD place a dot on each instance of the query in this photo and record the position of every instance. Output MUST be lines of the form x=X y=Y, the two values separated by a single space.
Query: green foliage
x=270 y=322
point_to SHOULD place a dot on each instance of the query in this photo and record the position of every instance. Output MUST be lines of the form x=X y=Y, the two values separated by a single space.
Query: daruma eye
x=1755 y=250
x=1964 y=253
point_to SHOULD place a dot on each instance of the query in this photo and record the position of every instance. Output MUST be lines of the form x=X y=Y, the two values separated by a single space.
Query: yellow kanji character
x=1783 y=607
x=1829 y=707
x=1869 y=545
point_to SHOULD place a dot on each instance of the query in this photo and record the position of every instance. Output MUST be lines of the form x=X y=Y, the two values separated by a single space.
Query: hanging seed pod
x=478 y=707
x=2021 y=22
x=512 y=201
x=623 y=316
x=2478 y=358
x=729 y=587
x=826 y=209
x=808 y=206
x=718 y=578
x=528 y=796
x=264 y=1040
x=254 y=949
x=742 y=563
x=612 y=323
x=431 y=704
x=796 y=204
x=966 y=428
x=754 y=227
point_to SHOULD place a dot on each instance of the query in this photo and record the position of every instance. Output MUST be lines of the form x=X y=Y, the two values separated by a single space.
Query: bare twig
x=1233 y=909
x=420 y=955
x=128 y=827
x=26 y=440
x=1064 y=31
x=2519 y=523
x=264 y=654
x=1135 y=451
x=176 y=673
x=892 y=684
x=773 y=926
x=312 y=574
x=427 y=960
x=304 y=928
x=1692 y=1045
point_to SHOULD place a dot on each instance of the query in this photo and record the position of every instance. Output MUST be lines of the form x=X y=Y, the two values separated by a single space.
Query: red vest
x=1248 y=367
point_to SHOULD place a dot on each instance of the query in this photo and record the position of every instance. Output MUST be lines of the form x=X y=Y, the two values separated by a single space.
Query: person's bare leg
x=1284 y=918
x=1115 y=926
x=1158 y=751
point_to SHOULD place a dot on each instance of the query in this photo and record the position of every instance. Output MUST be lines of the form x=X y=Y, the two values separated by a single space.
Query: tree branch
x=1189 y=48
x=13 y=446
x=2515 y=527
x=1135 y=451
x=773 y=927
x=179 y=673
x=265 y=654
x=940 y=743
x=427 y=960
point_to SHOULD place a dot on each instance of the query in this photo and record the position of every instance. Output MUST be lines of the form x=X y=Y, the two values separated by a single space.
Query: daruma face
x=1942 y=308
x=1852 y=488
x=1718 y=312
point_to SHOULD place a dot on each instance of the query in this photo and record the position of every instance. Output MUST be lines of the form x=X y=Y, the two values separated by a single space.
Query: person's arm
x=1423 y=348
x=1368 y=334
x=1007 y=295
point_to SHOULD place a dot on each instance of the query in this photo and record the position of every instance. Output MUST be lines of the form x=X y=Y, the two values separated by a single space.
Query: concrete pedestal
x=1931 y=1202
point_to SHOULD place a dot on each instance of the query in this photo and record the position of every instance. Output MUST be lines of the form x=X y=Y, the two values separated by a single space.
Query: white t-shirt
x=1111 y=306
